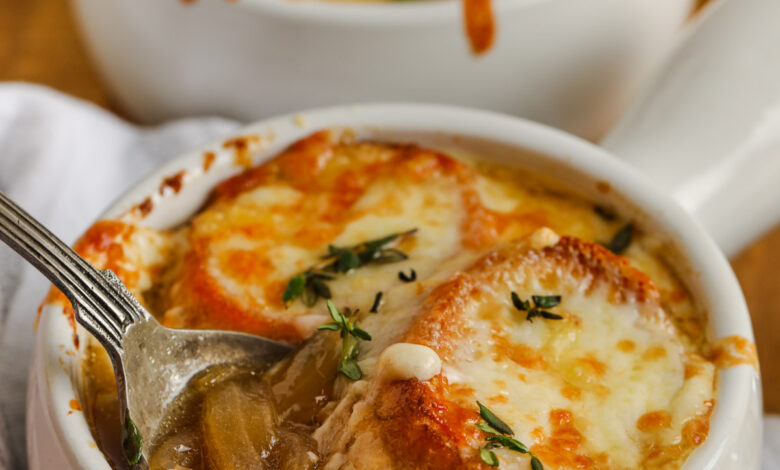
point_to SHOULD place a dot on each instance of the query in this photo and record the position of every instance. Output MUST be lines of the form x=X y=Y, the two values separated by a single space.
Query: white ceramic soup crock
x=569 y=64
x=707 y=134
x=60 y=438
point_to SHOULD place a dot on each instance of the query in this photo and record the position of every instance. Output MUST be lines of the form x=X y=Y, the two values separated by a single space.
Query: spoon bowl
x=158 y=363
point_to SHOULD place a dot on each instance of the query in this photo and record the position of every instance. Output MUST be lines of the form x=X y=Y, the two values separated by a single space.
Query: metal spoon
x=152 y=363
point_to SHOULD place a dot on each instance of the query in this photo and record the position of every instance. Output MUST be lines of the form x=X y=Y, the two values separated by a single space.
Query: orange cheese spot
x=654 y=353
x=571 y=392
x=693 y=365
x=626 y=345
x=461 y=392
x=145 y=206
x=733 y=351
x=692 y=370
x=693 y=434
x=591 y=366
x=348 y=188
x=246 y=265
x=208 y=160
x=561 y=449
x=241 y=147
x=537 y=434
x=521 y=354
x=481 y=227
x=174 y=182
x=499 y=399
x=653 y=421
x=695 y=431
x=302 y=163
x=244 y=181
x=74 y=404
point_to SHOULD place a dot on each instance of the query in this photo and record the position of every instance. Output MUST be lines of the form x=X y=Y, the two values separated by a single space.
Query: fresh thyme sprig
x=500 y=435
x=311 y=284
x=540 y=304
x=351 y=334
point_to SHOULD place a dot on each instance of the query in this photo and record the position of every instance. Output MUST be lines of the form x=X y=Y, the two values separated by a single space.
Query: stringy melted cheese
x=620 y=382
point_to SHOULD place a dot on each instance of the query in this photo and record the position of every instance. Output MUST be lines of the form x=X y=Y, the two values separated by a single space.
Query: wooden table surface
x=39 y=43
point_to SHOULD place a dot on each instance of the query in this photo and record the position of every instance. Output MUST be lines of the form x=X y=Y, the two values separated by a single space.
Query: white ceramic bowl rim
x=375 y=13
x=726 y=307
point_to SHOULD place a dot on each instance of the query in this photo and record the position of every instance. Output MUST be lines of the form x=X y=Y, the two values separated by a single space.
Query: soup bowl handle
x=708 y=126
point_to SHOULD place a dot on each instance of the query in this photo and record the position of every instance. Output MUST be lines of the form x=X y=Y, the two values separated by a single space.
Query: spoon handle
x=103 y=305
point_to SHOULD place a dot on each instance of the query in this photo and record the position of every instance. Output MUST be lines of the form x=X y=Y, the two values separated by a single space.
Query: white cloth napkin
x=64 y=161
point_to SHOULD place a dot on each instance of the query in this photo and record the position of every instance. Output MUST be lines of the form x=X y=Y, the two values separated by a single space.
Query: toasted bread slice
x=602 y=381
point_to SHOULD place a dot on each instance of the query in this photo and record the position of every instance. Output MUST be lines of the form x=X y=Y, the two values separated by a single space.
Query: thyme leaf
x=336 y=315
x=347 y=261
x=407 y=278
x=549 y=315
x=621 y=240
x=131 y=442
x=332 y=326
x=522 y=305
x=540 y=303
x=360 y=333
x=390 y=255
x=320 y=288
x=348 y=366
x=377 y=302
x=485 y=427
x=509 y=442
x=493 y=420
x=488 y=456
x=294 y=288
x=546 y=301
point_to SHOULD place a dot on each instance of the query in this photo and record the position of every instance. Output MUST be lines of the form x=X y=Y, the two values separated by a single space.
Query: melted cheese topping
x=277 y=220
x=620 y=382
x=604 y=364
